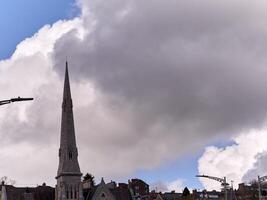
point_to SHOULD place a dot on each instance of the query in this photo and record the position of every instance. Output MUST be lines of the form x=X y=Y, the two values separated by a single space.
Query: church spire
x=68 y=153
x=68 y=174
x=66 y=92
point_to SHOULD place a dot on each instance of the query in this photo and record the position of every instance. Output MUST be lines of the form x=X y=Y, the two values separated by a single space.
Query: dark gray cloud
x=198 y=67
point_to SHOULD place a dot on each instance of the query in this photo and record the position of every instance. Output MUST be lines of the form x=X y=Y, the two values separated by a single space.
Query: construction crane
x=261 y=179
x=223 y=182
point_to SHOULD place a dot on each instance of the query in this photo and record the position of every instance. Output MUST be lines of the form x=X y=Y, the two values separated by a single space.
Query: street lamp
x=14 y=100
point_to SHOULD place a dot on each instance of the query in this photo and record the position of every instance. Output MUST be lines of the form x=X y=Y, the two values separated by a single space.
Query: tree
x=7 y=180
x=186 y=192
x=90 y=178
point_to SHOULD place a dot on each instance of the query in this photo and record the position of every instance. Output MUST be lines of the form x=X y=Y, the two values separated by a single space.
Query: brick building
x=139 y=189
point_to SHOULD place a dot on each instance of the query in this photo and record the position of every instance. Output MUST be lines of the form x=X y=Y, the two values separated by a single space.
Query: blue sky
x=21 y=19
x=184 y=168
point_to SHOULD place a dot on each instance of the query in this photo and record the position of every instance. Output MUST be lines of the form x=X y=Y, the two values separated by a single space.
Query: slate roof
x=121 y=193
x=23 y=193
x=88 y=193
x=48 y=193
x=171 y=196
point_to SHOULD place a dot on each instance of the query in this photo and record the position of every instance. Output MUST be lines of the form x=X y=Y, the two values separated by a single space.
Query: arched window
x=75 y=193
x=70 y=155
x=67 y=192
x=103 y=195
x=71 y=193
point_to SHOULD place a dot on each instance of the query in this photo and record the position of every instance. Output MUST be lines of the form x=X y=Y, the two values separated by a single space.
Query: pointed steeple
x=102 y=181
x=66 y=92
x=68 y=153
x=68 y=177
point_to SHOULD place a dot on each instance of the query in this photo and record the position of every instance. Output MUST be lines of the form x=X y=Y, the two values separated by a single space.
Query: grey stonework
x=3 y=192
x=68 y=177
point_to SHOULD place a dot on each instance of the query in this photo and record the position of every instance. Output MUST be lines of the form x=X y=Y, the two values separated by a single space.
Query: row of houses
x=135 y=189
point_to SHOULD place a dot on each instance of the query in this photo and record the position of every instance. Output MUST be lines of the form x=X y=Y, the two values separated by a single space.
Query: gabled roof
x=103 y=192
x=121 y=193
x=22 y=193
x=112 y=193
x=138 y=181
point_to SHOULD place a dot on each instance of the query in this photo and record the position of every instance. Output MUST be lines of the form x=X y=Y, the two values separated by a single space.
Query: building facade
x=139 y=189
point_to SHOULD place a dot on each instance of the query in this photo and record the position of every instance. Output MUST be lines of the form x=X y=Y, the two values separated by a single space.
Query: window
x=103 y=195
x=75 y=193
x=71 y=193
x=70 y=155
x=67 y=194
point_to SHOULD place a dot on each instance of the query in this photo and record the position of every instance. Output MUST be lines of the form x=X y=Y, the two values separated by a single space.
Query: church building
x=69 y=185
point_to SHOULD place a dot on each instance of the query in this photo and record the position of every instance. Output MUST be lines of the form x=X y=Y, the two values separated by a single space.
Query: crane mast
x=221 y=180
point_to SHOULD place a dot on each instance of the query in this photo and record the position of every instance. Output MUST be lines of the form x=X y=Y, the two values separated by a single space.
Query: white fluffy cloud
x=28 y=130
x=160 y=186
x=234 y=161
x=177 y=185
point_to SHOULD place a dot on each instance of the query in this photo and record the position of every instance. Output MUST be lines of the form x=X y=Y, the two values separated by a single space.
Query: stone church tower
x=68 y=177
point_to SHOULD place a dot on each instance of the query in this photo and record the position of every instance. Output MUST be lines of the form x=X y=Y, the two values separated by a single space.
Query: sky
x=162 y=90
x=21 y=19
